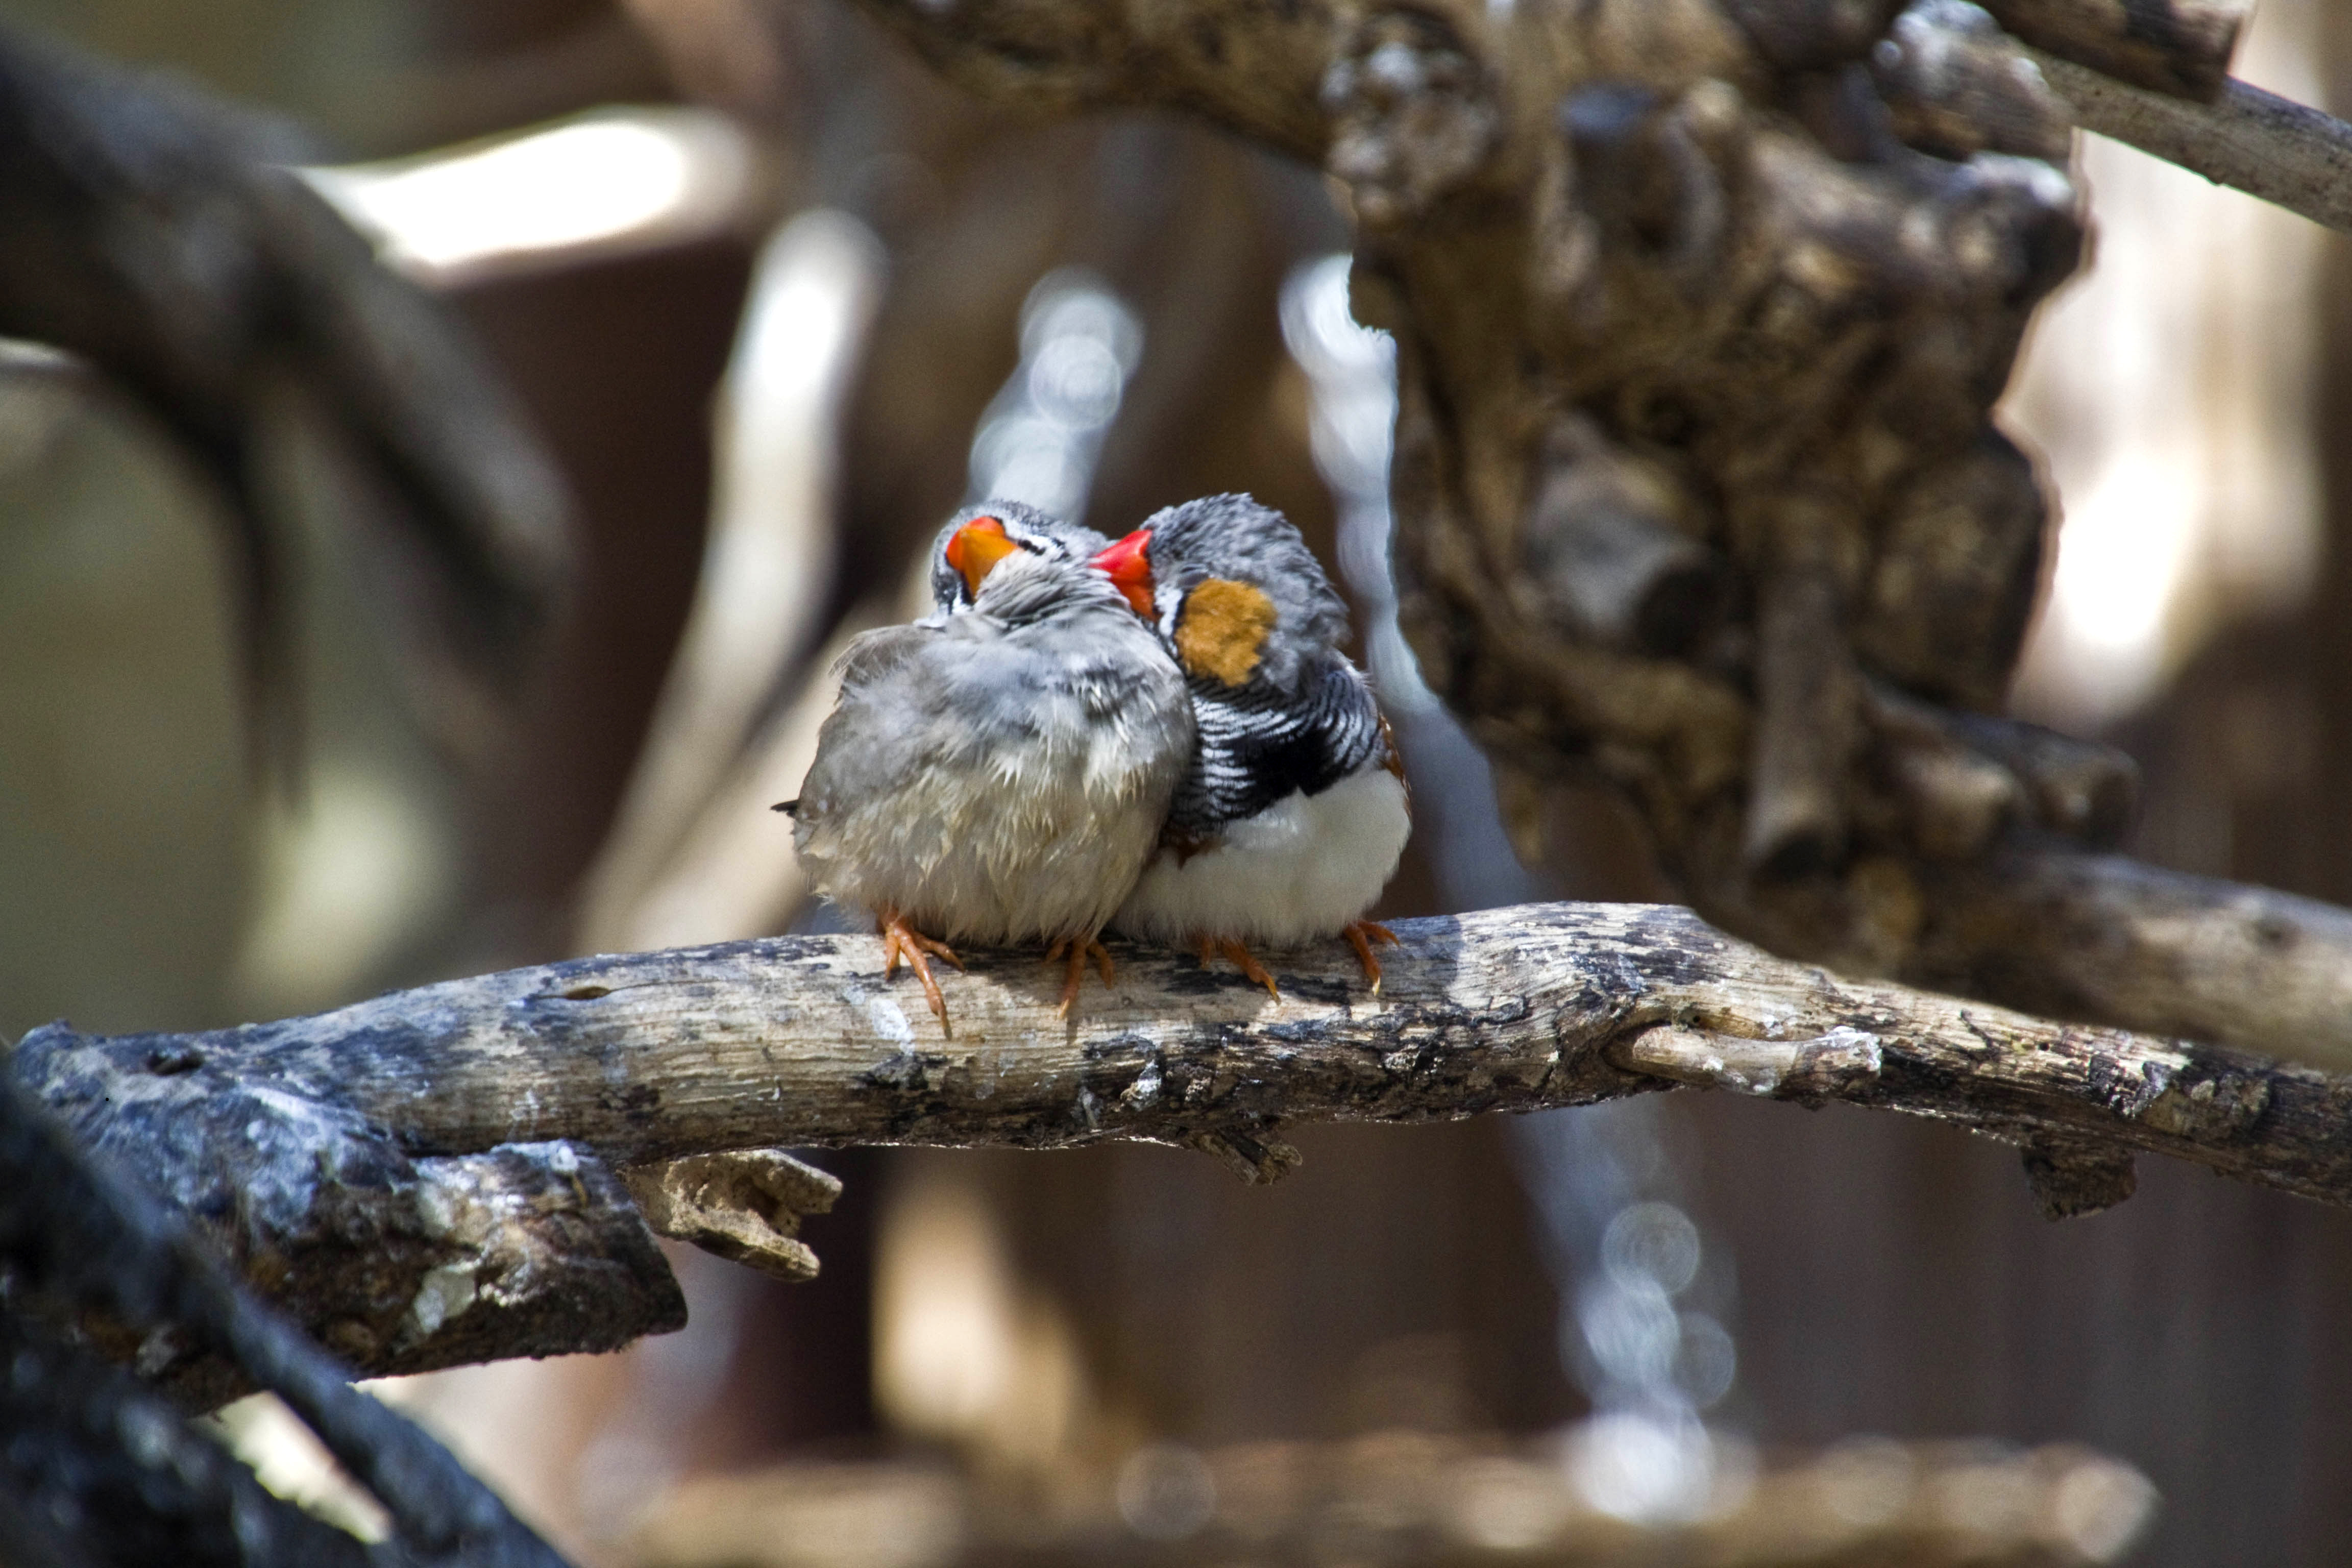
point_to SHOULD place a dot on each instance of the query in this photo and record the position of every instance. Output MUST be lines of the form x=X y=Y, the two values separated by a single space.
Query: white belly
x=1303 y=867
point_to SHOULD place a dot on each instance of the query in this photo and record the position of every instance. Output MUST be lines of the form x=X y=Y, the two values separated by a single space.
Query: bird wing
x=872 y=656
x=1256 y=748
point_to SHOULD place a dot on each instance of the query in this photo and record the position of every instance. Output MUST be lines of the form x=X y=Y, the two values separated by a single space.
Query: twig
x=2177 y=47
x=797 y=1041
x=2256 y=141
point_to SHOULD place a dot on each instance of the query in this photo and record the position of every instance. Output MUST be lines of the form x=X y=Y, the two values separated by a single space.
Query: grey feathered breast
x=1003 y=773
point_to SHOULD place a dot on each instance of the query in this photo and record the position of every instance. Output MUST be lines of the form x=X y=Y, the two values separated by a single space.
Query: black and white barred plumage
x=1258 y=744
x=1293 y=814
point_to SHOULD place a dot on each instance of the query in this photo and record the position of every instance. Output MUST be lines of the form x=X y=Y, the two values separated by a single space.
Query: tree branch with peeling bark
x=330 y=1152
x=98 y=1469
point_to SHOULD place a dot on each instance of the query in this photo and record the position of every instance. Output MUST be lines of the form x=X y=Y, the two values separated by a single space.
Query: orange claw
x=1361 y=935
x=1077 y=974
x=900 y=940
x=1208 y=947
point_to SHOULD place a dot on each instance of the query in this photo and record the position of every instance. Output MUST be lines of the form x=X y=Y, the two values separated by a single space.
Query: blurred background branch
x=151 y=232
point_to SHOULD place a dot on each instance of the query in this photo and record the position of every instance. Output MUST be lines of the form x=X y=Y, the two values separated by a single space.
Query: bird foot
x=1209 y=947
x=900 y=941
x=1361 y=935
x=1077 y=974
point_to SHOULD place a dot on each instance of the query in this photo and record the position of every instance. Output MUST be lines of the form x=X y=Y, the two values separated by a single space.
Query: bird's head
x=979 y=537
x=1217 y=627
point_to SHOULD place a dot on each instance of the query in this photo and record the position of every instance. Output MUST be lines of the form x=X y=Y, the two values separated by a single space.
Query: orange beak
x=1129 y=569
x=976 y=549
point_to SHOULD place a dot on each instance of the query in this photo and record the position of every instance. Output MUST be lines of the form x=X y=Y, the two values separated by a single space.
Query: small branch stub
x=745 y=1205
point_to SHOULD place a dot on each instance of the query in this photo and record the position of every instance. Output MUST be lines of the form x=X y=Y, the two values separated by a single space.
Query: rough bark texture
x=1700 y=312
x=396 y=1263
x=799 y=1041
x=99 y=1471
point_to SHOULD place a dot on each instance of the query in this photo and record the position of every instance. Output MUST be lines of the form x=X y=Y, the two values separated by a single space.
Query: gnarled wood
x=114 y=1477
x=396 y=1261
x=798 y=1041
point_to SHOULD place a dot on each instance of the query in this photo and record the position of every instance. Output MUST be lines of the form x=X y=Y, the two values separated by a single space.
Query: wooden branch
x=2180 y=47
x=157 y=234
x=798 y=1041
x=2250 y=140
x=115 y=1476
x=395 y=1263
x=2083 y=935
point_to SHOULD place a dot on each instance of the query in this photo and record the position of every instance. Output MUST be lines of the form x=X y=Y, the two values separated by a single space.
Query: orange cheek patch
x=1223 y=630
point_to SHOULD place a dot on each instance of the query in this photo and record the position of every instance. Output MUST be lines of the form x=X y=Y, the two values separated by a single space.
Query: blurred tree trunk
x=2195 y=1330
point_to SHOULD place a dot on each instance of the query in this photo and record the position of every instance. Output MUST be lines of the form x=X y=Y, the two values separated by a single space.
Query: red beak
x=1129 y=569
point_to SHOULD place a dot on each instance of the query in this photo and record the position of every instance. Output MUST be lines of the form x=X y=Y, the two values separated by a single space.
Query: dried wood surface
x=798 y=1041
x=98 y=1469
x=394 y=1262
